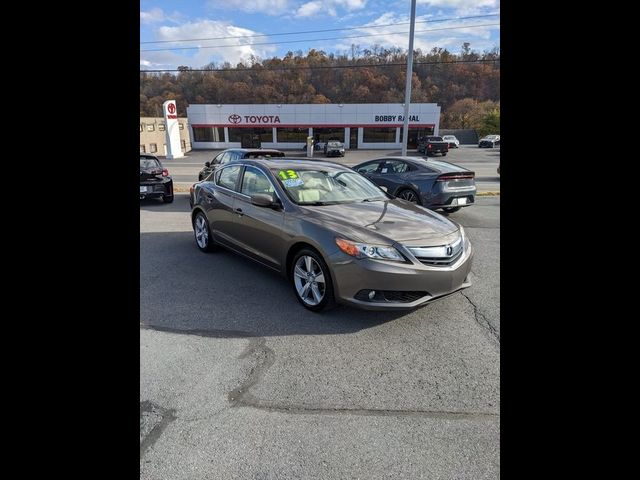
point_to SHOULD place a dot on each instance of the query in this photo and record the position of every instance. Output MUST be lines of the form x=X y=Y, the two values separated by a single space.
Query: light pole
x=407 y=90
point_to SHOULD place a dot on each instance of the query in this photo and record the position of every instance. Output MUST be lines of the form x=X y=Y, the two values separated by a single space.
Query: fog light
x=372 y=294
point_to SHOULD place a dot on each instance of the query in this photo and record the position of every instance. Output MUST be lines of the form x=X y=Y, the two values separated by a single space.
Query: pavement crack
x=149 y=413
x=264 y=357
x=482 y=320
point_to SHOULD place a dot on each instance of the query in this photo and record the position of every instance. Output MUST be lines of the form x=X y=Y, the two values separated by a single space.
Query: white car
x=451 y=140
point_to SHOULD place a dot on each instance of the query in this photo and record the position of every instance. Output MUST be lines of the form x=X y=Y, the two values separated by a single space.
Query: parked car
x=451 y=140
x=155 y=181
x=334 y=149
x=334 y=234
x=431 y=145
x=489 y=141
x=434 y=184
x=232 y=154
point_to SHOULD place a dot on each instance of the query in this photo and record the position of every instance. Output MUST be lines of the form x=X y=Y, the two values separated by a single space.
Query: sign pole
x=407 y=90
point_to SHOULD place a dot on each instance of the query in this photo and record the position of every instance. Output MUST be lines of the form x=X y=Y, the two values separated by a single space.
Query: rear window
x=149 y=162
x=434 y=139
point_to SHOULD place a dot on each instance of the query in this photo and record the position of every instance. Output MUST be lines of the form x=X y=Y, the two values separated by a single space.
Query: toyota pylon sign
x=172 y=132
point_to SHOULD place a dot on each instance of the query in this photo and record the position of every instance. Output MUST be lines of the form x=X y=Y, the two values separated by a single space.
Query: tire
x=410 y=196
x=205 y=241
x=167 y=198
x=320 y=298
x=451 y=209
x=444 y=154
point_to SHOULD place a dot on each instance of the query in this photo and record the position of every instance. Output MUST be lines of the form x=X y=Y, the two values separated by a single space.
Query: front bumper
x=352 y=275
x=334 y=153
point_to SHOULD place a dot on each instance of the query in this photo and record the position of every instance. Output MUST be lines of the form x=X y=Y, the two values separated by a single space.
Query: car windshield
x=434 y=139
x=147 y=162
x=334 y=144
x=491 y=137
x=448 y=137
x=321 y=187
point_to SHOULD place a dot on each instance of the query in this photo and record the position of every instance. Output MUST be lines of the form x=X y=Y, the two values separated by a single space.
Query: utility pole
x=407 y=90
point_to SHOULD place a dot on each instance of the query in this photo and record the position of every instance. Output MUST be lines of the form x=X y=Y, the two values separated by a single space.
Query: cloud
x=155 y=15
x=270 y=7
x=427 y=36
x=460 y=4
x=328 y=7
x=308 y=9
x=236 y=51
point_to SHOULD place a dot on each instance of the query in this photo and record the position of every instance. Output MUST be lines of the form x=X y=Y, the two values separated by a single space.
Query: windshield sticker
x=293 y=182
x=384 y=170
x=285 y=174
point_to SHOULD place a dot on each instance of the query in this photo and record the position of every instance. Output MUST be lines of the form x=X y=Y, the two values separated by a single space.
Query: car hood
x=383 y=222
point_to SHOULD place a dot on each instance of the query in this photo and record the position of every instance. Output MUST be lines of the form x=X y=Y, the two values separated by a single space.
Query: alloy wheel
x=309 y=280
x=202 y=232
x=409 y=196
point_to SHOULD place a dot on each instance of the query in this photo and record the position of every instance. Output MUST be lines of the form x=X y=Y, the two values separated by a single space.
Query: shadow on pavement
x=180 y=204
x=182 y=288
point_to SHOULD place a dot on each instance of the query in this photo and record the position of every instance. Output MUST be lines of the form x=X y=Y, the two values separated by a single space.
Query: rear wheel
x=444 y=154
x=167 y=198
x=312 y=281
x=451 y=209
x=204 y=239
x=410 y=196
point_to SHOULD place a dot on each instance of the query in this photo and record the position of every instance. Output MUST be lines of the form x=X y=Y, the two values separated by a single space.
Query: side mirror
x=263 y=200
x=207 y=164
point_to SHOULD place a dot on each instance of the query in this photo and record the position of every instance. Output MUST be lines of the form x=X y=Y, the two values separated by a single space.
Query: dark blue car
x=434 y=184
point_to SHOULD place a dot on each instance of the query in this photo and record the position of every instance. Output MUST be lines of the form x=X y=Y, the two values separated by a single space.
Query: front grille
x=439 y=256
x=389 y=296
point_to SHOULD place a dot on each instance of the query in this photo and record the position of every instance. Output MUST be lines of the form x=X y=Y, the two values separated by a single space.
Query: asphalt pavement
x=237 y=380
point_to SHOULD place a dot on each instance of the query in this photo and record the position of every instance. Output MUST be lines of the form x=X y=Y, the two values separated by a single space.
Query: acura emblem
x=449 y=250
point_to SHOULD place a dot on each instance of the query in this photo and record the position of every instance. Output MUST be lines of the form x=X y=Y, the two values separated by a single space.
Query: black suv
x=231 y=154
x=155 y=181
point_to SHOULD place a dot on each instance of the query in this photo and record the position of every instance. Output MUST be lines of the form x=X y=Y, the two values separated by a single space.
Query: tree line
x=467 y=91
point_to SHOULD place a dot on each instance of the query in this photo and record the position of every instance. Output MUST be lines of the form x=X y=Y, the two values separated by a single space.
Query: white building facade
x=364 y=125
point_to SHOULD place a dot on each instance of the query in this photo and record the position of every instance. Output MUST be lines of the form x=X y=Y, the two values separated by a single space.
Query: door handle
x=239 y=211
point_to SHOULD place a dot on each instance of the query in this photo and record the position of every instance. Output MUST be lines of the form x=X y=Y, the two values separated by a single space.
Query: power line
x=318 y=31
x=316 y=39
x=494 y=60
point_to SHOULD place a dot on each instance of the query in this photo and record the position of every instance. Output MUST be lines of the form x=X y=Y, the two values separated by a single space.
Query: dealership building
x=357 y=125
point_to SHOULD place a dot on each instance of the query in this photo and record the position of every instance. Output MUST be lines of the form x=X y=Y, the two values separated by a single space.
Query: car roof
x=251 y=150
x=293 y=163
x=438 y=165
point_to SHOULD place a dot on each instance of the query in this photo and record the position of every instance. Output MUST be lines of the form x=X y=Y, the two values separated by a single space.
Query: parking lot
x=238 y=380
x=483 y=161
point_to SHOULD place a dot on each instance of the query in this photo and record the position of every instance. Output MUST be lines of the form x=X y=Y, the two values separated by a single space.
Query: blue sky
x=215 y=24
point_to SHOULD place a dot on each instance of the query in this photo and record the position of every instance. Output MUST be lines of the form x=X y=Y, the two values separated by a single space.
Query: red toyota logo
x=172 y=108
x=235 y=118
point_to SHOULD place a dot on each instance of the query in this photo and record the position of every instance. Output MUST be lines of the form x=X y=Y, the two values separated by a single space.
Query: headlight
x=465 y=239
x=364 y=250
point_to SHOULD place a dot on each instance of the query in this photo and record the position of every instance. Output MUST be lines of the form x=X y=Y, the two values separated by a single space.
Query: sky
x=211 y=28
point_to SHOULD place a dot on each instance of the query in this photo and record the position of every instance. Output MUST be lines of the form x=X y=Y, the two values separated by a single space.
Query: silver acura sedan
x=337 y=236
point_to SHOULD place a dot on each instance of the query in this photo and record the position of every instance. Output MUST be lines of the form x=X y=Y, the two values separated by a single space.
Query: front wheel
x=444 y=154
x=410 y=196
x=167 y=198
x=312 y=281
x=204 y=239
